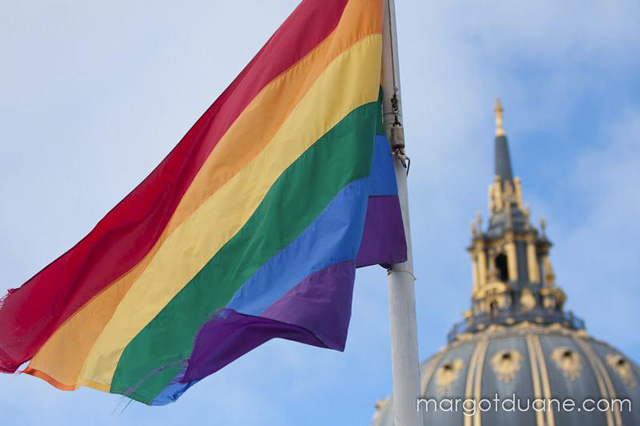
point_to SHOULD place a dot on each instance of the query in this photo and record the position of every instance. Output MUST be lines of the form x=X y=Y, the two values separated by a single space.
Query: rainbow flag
x=250 y=229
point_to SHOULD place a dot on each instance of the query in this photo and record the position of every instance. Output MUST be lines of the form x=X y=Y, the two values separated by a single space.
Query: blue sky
x=94 y=94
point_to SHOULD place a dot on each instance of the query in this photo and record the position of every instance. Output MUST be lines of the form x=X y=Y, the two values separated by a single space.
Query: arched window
x=501 y=266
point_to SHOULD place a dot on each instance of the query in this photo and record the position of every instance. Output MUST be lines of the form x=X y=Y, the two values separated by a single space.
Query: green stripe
x=299 y=195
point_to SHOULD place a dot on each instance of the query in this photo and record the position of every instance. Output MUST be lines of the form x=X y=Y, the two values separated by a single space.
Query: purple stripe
x=321 y=303
x=383 y=239
x=315 y=312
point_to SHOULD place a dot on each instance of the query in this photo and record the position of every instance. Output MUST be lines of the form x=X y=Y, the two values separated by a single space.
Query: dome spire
x=502 y=157
x=499 y=112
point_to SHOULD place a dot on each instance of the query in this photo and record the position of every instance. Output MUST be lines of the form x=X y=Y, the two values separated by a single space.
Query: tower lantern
x=513 y=280
x=517 y=339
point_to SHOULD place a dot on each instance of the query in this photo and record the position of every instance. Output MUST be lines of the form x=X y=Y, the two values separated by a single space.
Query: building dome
x=531 y=362
x=517 y=342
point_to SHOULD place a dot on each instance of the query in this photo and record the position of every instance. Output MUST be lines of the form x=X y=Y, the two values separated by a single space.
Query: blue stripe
x=332 y=238
x=173 y=391
x=383 y=179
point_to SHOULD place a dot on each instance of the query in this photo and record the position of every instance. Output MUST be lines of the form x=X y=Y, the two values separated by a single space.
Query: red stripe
x=125 y=235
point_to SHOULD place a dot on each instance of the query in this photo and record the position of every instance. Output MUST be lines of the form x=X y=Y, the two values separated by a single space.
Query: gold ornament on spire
x=499 y=112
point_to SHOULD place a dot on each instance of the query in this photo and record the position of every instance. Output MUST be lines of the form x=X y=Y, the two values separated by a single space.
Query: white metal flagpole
x=402 y=299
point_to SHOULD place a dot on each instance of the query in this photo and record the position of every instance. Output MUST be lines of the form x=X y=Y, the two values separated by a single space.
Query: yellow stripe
x=351 y=81
x=237 y=148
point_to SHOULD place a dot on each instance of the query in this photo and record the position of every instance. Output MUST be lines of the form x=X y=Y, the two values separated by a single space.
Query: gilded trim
x=499 y=111
x=426 y=377
x=586 y=350
x=512 y=261
x=527 y=300
x=475 y=273
x=537 y=394
x=470 y=372
x=482 y=266
x=478 y=380
x=607 y=381
x=532 y=260
x=545 y=379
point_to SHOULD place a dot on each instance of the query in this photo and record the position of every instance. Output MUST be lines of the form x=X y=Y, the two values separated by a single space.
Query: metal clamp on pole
x=397 y=147
x=397 y=131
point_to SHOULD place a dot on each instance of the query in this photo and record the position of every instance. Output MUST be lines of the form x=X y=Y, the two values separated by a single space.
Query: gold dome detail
x=447 y=374
x=506 y=364
x=569 y=361
x=622 y=368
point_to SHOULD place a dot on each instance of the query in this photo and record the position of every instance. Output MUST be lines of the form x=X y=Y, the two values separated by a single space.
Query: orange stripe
x=53 y=382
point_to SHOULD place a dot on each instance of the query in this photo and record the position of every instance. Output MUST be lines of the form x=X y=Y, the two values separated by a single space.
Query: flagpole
x=402 y=299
